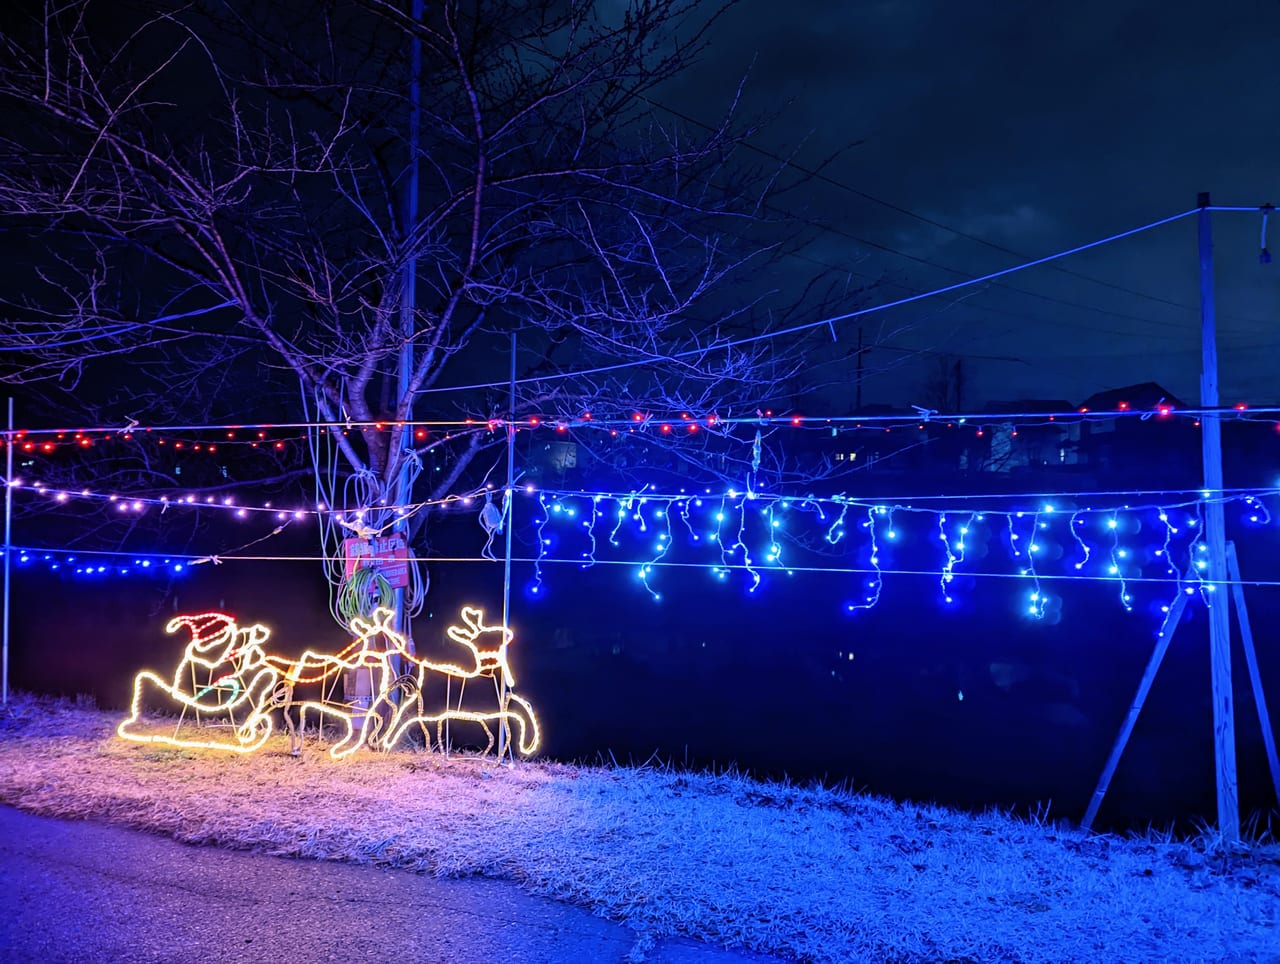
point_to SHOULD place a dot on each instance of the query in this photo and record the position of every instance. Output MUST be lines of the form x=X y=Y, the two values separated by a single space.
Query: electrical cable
x=987 y=417
x=836 y=570
x=330 y=518
x=841 y=185
x=361 y=593
x=824 y=322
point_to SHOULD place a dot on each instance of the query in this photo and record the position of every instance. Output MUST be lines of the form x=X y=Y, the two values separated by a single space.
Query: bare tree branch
x=208 y=198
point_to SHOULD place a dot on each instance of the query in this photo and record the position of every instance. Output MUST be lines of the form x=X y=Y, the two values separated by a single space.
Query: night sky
x=964 y=138
x=1034 y=129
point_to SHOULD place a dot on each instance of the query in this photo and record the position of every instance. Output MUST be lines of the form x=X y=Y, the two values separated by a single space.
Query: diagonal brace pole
x=1251 y=661
x=1126 y=729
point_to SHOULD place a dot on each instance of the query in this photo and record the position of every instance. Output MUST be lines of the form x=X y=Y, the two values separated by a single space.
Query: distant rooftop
x=1145 y=395
x=1032 y=405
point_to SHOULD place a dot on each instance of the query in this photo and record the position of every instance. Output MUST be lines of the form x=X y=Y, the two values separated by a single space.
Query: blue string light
x=1076 y=522
x=1259 y=514
x=102 y=563
x=1118 y=557
x=543 y=543
x=836 y=532
x=596 y=515
x=663 y=544
x=741 y=544
x=765 y=525
x=876 y=583
x=1039 y=600
x=948 y=567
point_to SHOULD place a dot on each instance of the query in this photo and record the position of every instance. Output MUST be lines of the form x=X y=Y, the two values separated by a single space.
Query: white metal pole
x=8 y=548
x=504 y=745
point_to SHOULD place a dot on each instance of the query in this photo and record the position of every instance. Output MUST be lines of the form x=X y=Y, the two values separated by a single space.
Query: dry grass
x=805 y=873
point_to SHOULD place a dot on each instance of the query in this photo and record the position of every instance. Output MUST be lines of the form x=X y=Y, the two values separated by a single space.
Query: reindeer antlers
x=473 y=618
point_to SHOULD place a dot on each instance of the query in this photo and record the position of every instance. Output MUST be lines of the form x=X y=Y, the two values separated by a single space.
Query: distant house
x=1156 y=442
x=1035 y=438
x=886 y=439
x=1143 y=397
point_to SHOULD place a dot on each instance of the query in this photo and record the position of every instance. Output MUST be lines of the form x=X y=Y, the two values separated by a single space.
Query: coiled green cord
x=363 y=592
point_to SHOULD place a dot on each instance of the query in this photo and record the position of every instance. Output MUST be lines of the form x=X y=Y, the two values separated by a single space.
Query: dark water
x=970 y=705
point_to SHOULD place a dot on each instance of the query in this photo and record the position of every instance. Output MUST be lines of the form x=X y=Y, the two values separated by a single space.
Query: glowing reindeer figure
x=361 y=655
x=238 y=684
x=488 y=663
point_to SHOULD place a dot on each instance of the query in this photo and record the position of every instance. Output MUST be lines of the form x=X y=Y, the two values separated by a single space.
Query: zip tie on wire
x=358 y=527
x=1148 y=414
x=217 y=561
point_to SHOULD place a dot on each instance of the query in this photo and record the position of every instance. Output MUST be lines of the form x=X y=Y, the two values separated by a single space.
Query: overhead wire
x=829 y=321
x=1254 y=412
x=1015 y=290
x=660 y=564
x=995 y=503
x=826 y=178
x=932 y=222
x=724 y=345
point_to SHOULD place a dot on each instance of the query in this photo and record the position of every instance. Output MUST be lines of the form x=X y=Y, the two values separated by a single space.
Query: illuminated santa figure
x=223 y=677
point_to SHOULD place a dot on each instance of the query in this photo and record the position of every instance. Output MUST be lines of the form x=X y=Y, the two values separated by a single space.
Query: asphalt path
x=75 y=891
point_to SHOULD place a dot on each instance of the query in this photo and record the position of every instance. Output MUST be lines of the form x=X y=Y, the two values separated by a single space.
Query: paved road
x=93 y=892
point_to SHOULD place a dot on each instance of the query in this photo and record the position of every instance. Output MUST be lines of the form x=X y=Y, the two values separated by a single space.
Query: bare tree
x=945 y=389
x=341 y=211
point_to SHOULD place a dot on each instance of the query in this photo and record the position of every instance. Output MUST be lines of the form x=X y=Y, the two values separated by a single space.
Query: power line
x=828 y=322
x=841 y=185
x=1004 y=312
x=1021 y=291
x=1245 y=414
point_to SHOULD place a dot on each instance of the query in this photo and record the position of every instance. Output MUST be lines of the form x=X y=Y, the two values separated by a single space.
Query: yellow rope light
x=244 y=678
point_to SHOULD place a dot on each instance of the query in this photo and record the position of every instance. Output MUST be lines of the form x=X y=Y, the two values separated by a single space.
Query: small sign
x=388 y=556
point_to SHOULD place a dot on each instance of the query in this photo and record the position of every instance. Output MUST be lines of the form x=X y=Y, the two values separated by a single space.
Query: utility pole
x=361 y=687
x=408 y=303
x=1224 y=737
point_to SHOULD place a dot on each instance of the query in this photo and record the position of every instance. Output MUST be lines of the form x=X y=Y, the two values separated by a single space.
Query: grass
x=805 y=873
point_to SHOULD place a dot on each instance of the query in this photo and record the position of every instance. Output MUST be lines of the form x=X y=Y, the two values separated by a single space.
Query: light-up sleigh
x=223 y=678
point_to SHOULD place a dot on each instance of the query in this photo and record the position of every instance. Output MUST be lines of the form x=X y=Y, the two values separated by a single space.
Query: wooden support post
x=1144 y=687
x=1224 y=738
x=1251 y=661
